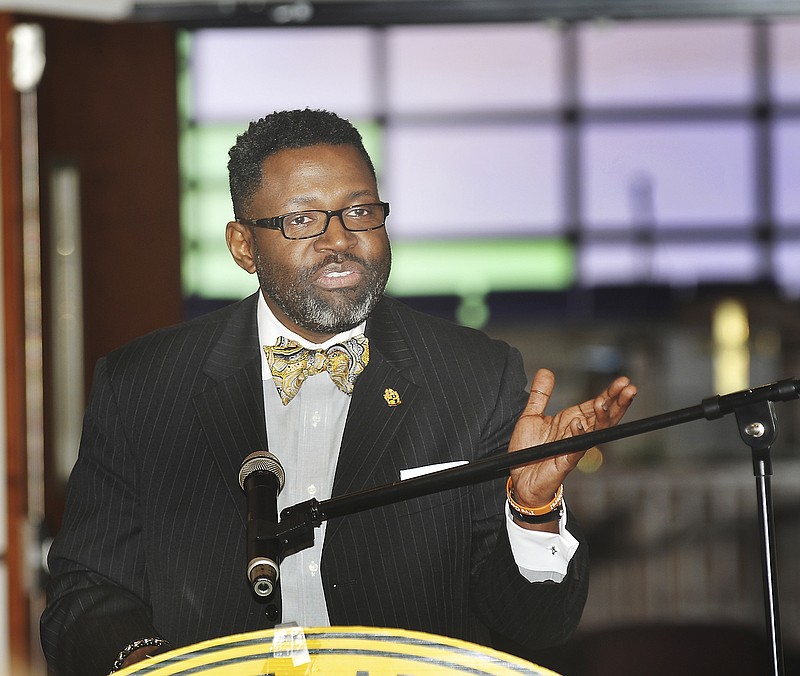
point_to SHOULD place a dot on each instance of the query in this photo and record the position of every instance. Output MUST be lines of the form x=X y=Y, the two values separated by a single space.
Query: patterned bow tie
x=291 y=363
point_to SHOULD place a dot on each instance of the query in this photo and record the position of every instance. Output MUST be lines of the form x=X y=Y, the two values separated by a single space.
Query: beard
x=332 y=311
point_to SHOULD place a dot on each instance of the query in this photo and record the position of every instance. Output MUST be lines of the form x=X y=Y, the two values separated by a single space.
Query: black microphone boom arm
x=295 y=529
x=757 y=427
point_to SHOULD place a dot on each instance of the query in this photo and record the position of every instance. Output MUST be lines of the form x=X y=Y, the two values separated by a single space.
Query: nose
x=336 y=237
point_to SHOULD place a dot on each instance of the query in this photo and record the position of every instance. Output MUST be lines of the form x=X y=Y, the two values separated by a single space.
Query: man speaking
x=349 y=389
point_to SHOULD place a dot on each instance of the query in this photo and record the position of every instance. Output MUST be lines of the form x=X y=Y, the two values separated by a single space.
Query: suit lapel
x=372 y=423
x=231 y=410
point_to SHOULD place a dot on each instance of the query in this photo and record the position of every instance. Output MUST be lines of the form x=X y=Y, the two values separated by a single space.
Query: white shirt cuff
x=540 y=556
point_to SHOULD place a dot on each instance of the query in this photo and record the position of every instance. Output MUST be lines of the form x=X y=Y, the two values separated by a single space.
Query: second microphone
x=261 y=478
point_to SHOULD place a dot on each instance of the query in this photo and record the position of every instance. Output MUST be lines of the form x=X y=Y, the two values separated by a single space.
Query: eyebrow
x=298 y=202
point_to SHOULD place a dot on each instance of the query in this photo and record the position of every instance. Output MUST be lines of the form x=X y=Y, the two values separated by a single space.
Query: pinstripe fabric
x=153 y=537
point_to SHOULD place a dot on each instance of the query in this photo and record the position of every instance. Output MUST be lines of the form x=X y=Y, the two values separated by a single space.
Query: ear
x=240 y=244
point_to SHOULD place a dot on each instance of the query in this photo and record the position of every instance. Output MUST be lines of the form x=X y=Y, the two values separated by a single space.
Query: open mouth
x=339 y=276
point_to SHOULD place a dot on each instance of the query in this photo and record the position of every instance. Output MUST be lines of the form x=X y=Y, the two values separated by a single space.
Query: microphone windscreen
x=262 y=461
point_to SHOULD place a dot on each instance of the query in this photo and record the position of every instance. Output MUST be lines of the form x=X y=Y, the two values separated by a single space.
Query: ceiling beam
x=392 y=12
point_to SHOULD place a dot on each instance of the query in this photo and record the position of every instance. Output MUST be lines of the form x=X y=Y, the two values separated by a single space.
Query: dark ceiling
x=389 y=12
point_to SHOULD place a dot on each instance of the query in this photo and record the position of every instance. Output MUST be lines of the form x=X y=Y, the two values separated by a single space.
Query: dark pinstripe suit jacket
x=153 y=541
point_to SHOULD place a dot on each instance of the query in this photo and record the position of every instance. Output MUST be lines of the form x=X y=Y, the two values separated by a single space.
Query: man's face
x=321 y=286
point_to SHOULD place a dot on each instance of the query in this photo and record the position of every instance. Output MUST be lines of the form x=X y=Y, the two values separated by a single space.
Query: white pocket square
x=429 y=469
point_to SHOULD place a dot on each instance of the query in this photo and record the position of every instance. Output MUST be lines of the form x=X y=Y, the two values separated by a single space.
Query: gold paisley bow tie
x=291 y=363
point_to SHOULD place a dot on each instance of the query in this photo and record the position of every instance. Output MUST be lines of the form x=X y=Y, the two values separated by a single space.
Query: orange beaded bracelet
x=552 y=506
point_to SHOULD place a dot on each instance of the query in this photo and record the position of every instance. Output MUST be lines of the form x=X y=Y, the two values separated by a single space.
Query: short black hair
x=278 y=131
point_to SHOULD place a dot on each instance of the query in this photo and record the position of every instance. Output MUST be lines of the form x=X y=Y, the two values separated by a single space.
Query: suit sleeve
x=533 y=614
x=98 y=596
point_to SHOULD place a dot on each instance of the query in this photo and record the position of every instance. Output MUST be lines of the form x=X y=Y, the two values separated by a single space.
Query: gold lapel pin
x=391 y=397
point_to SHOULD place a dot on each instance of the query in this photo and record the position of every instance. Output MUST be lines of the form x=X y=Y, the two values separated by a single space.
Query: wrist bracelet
x=554 y=515
x=553 y=505
x=133 y=647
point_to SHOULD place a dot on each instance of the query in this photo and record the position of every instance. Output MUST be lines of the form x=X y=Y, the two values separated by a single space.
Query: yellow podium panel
x=338 y=651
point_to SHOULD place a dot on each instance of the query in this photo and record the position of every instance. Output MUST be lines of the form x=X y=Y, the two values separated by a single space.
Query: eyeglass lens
x=310 y=223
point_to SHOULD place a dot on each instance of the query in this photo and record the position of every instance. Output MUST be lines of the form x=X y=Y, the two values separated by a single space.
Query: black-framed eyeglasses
x=313 y=222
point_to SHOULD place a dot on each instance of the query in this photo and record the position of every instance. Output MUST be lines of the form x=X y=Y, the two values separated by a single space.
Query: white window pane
x=244 y=74
x=786 y=151
x=687 y=264
x=657 y=175
x=665 y=63
x=613 y=263
x=473 y=181
x=671 y=263
x=785 y=42
x=787 y=270
x=472 y=68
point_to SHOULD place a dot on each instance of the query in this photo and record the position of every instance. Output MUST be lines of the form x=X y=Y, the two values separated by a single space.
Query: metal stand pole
x=758 y=429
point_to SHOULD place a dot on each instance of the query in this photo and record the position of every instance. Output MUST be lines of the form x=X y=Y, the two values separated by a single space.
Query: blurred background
x=612 y=187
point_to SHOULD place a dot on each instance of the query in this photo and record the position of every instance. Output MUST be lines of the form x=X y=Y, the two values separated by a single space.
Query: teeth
x=338 y=274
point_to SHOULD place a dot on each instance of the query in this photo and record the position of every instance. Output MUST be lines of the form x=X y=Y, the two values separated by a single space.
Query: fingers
x=576 y=427
x=605 y=410
x=542 y=387
x=611 y=405
x=622 y=393
x=617 y=387
x=543 y=382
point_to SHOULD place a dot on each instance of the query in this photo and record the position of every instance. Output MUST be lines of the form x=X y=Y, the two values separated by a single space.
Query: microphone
x=261 y=478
